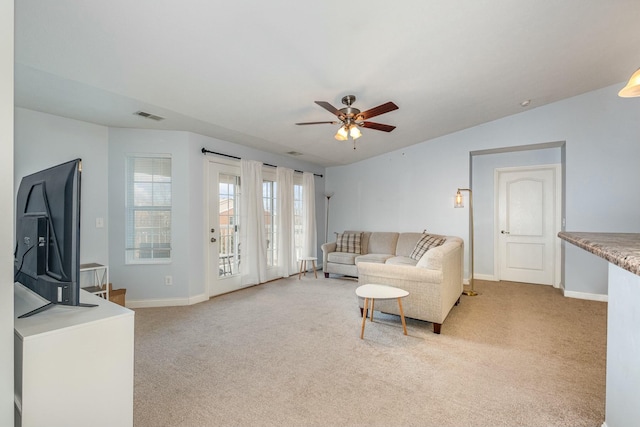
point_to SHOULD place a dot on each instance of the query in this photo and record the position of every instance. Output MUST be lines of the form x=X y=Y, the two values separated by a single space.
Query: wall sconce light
x=459 y=204
x=632 y=88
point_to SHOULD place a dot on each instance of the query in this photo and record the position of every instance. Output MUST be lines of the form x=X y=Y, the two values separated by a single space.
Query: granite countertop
x=621 y=249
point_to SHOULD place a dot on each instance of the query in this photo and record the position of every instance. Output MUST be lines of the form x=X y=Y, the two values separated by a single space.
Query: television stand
x=73 y=367
x=50 y=305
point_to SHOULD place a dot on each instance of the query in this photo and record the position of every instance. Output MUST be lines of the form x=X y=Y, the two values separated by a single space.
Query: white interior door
x=528 y=217
x=223 y=241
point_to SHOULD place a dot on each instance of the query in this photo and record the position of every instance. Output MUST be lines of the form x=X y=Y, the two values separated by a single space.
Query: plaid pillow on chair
x=426 y=242
x=348 y=242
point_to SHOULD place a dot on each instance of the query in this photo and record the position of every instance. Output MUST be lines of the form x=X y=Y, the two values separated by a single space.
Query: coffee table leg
x=300 y=272
x=373 y=301
x=364 y=316
x=404 y=324
x=313 y=263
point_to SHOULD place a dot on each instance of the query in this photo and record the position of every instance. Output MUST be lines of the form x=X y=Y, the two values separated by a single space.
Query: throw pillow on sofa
x=426 y=242
x=348 y=242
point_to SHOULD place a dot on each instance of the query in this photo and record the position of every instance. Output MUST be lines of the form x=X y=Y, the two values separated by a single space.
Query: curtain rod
x=205 y=152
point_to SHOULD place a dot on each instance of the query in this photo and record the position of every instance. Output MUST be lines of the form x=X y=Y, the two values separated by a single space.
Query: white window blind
x=148 y=209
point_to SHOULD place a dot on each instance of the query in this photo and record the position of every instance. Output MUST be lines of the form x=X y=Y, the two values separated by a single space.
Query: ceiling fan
x=352 y=118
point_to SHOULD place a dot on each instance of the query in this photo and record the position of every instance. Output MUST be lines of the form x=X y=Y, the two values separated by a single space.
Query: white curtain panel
x=309 y=232
x=286 y=238
x=253 y=268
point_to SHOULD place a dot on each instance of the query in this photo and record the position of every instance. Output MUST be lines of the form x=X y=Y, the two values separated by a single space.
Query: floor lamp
x=326 y=227
x=459 y=204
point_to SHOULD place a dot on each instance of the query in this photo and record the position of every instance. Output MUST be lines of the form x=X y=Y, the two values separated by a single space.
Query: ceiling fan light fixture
x=342 y=134
x=351 y=119
x=355 y=132
x=632 y=88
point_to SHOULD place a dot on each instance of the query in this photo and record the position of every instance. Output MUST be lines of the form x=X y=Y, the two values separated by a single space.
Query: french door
x=225 y=251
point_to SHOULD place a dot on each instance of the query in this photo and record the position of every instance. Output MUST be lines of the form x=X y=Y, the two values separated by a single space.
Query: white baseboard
x=587 y=296
x=166 y=302
x=488 y=277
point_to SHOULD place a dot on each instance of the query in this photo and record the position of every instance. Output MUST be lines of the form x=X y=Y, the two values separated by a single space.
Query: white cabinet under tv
x=73 y=365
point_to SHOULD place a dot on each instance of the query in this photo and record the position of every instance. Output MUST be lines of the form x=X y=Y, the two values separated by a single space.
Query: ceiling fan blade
x=330 y=108
x=376 y=111
x=378 y=126
x=317 y=123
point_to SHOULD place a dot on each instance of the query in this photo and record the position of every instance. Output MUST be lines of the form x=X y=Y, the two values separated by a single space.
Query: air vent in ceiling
x=294 y=153
x=148 y=116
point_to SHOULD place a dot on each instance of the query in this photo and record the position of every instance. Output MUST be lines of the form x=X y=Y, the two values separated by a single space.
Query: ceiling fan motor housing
x=350 y=113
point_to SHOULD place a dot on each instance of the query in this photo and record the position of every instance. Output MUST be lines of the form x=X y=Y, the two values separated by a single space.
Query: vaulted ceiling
x=247 y=71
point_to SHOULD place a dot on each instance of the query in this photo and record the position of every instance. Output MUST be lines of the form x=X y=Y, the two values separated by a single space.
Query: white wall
x=145 y=283
x=44 y=140
x=413 y=188
x=6 y=213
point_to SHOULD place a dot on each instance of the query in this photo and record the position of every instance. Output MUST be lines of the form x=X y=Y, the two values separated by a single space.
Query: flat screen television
x=47 y=252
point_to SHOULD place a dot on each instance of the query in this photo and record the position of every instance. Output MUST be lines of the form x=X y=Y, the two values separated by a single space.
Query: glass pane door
x=224 y=249
x=228 y=214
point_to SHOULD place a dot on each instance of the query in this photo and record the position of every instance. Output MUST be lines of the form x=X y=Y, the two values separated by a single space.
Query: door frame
x=557 y=245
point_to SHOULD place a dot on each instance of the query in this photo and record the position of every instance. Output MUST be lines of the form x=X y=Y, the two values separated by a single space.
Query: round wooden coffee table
x=372 y=292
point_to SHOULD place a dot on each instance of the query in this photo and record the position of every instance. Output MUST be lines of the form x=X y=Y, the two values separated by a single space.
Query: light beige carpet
x=288 y=353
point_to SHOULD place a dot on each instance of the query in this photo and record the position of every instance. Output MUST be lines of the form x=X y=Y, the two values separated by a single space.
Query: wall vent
x=148 y=116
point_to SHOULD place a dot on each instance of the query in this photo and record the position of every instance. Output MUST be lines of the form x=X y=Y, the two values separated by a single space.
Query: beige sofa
x=434 y=281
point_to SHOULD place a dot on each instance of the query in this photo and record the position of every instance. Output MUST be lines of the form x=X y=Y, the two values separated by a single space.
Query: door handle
x=213 y=240
x=504 y=232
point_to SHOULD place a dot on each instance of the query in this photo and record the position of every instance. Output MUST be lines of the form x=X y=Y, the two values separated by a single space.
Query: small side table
x=100 y=282
x=303 y=266
x=372 y=292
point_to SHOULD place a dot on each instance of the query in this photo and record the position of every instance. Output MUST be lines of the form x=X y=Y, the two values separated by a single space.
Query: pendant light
x=632 y=88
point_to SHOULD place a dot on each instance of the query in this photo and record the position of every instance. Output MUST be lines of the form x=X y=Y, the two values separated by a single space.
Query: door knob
x=505 y=232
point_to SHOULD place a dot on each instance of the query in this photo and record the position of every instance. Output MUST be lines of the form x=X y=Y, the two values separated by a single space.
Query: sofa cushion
x=401 y=260
x=406 y=243
x=383 y=242
x=426 y=242
x=364 y=240
x=342 y=258
x=348 y=242
x=379 y=258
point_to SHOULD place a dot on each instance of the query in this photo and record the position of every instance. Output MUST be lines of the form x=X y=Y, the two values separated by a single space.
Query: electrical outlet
x=168 y=280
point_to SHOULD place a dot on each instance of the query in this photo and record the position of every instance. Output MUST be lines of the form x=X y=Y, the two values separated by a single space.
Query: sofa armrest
x=327 y=248
x=436 y=258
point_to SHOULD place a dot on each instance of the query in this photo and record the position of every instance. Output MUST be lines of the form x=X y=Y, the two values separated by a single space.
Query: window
x=229 y=249
x=148 y=209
